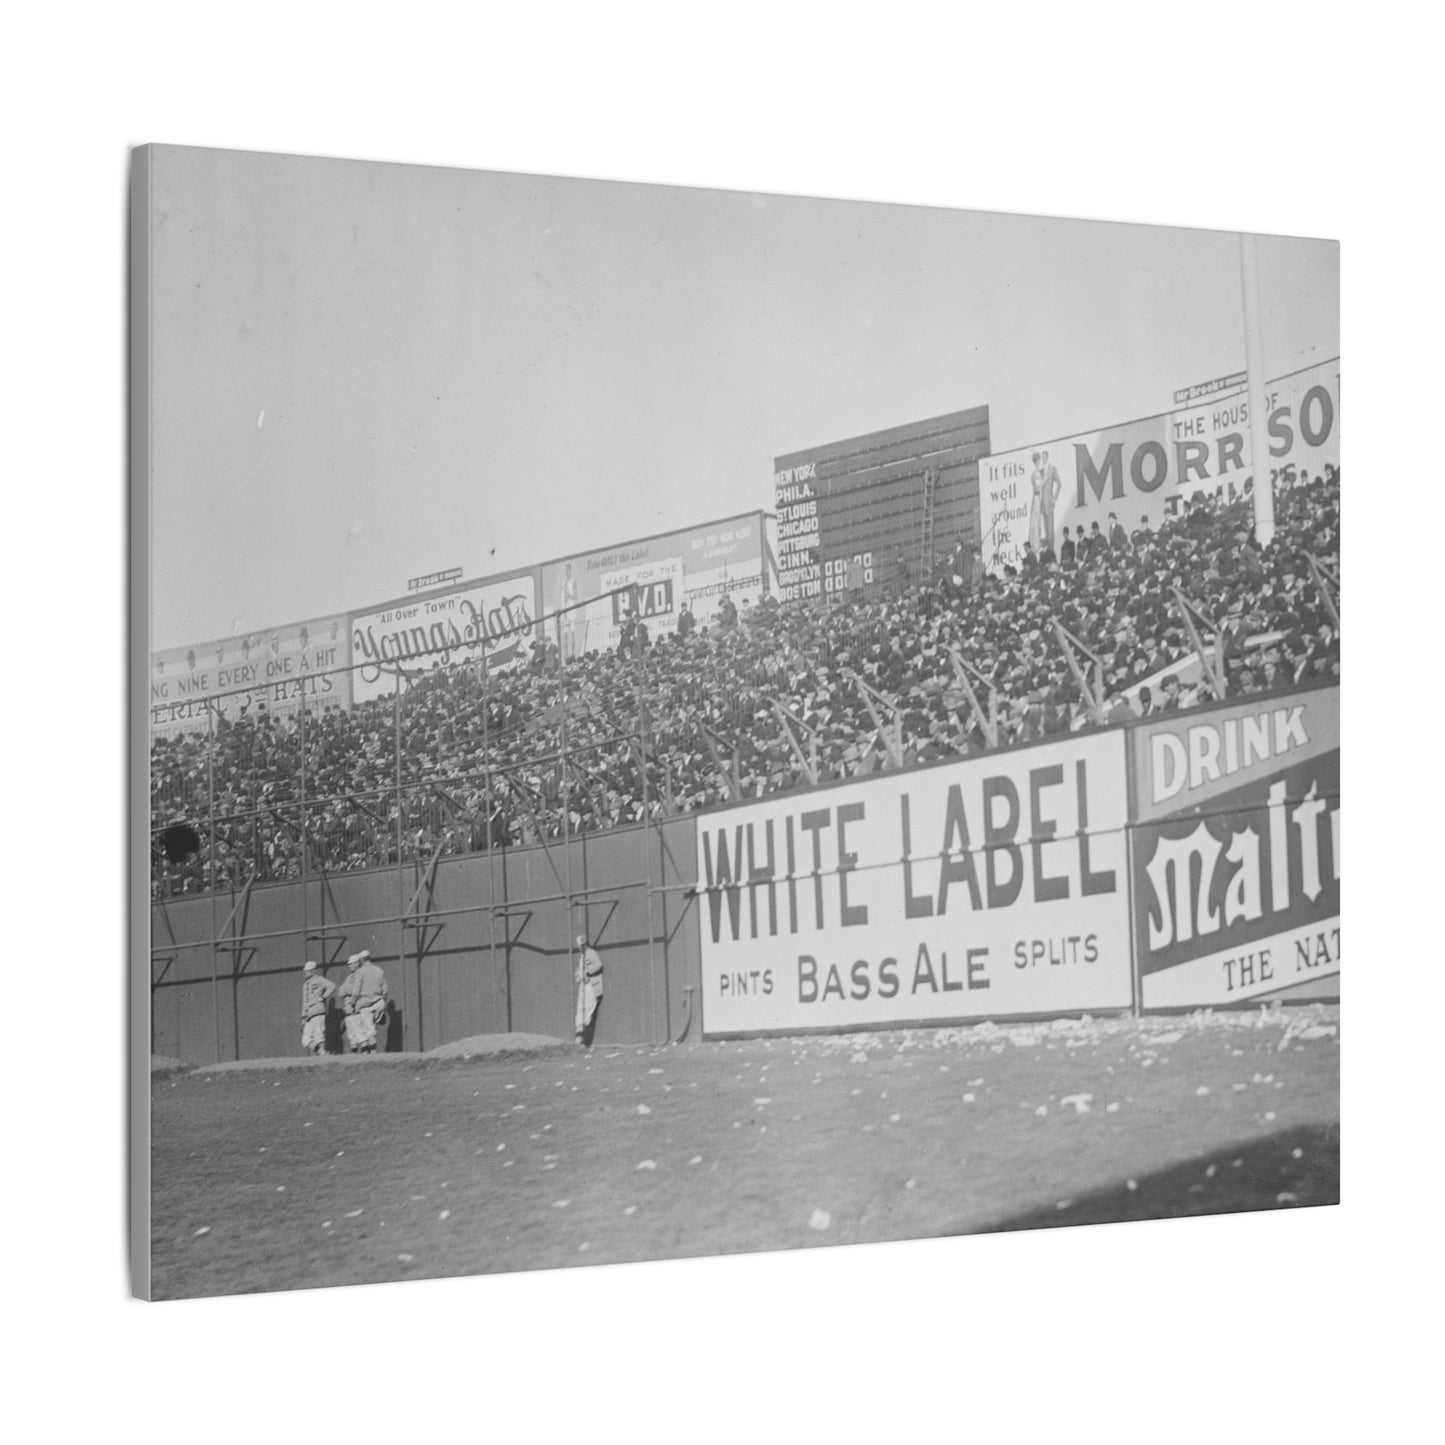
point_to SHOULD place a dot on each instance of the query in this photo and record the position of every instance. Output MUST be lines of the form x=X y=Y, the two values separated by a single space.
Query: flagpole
x=1258 y=414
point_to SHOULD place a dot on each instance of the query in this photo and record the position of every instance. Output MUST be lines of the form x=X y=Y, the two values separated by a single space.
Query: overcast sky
x=367 y=372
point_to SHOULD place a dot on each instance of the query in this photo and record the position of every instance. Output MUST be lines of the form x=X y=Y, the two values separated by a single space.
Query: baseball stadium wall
x=482 y=944
x=1179 y=862
x=1184 y=861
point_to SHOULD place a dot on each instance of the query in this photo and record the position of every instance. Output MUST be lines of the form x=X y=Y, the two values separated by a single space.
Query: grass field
x=277 y=1178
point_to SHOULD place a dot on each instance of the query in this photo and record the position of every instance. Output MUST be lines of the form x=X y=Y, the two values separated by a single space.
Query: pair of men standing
x=364 y=999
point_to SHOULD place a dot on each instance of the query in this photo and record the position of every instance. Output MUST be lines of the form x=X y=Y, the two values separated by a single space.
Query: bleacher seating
x=483 y=769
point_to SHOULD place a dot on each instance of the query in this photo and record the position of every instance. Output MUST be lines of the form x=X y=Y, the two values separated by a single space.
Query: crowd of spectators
x=671 y=725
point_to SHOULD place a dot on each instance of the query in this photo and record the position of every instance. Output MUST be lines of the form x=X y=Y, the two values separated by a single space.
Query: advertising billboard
x=269 y=670
x=1149 y=468
x=651 y=579
x=1236 y=850
x=985 y=888
x=497 y=617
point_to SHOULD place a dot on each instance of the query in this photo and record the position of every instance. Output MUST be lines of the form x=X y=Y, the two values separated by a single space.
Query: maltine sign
x=1236 y=854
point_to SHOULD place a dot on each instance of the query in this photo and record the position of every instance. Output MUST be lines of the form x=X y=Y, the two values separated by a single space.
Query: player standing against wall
x=316 y=992
x=363 y=998
x=589 y=990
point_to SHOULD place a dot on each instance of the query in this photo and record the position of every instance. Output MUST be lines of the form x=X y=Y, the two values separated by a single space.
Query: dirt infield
x=276 y=1179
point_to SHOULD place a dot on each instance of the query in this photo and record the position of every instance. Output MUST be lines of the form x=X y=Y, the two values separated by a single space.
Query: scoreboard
x=883 y=509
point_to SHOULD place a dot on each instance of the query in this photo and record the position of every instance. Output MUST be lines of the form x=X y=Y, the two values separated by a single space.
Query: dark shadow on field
x=1262 y=1174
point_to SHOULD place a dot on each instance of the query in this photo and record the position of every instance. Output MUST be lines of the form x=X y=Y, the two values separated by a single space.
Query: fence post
x=214 y=890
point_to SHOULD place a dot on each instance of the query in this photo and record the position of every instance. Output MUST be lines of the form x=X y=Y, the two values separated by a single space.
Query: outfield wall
x=994 y=887
x=469 y=971
x=1181 y=862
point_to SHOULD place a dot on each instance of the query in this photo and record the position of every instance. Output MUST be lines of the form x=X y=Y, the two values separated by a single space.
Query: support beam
x=731 y=773
x=1254 y=372
x=241 y=906
x=392 y=920
x=988 y=723
x=893 y=740
x=521 y=790
x=1329 y=587
x=1093 y=692
x=427 y=878
x=1211 y=659
x=808 y=763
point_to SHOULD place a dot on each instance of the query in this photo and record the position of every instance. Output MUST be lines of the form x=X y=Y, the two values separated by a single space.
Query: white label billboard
x=981 y=889
x=1150 y=468
x=498 y=618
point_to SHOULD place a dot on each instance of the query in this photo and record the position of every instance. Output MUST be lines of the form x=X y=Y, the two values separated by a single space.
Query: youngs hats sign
x=408 y=639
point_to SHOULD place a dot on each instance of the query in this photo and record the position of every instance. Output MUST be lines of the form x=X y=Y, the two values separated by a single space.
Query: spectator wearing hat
x=1117 y=710
x=1068 y=552
x=364 y=999
x=316 y=992
x=1198 y=520
x=973 y=568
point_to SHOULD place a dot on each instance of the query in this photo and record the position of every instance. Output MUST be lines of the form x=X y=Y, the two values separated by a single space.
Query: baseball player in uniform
x=363 y=998
x=589 y=990
x=316 y=992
